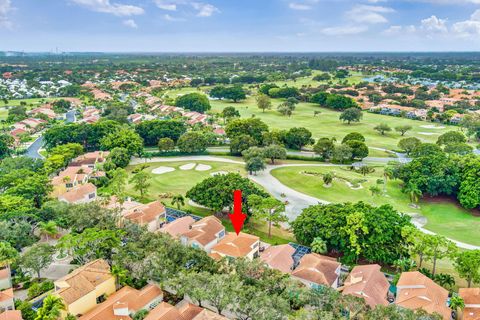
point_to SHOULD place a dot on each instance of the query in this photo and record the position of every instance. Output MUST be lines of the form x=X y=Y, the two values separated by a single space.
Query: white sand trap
x=427 y=133
x=216 y=173
x=188 y=166
x=162 y=170
x=432 y=126
x=203 y=167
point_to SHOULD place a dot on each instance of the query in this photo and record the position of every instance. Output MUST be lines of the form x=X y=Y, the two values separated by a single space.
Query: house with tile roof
x=182 y=311
x=177 y=227
x=90 y=159
x=471 y=298
x=124 y=303
x=232 y=245
x=151 y=215
x=5 y=278
x=84 y=287
x=369 y=283
x=315 y=270
x=11 y=315
x=279 y=257
x=84 y=193
x=417 y=291
x=6 y=291
x=204 y=234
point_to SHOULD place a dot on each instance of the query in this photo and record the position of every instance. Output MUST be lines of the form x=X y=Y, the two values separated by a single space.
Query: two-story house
x=232 y=245
x=204 y=234
x=315 y=270
x=85 y=287
x=151 y=215
x=84 y=193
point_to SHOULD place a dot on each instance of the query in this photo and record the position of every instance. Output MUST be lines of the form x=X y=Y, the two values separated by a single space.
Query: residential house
x=85 y=287
x=368 y=282
x=182 y=311
x=11 y=315
x=151 y=215
x=279 y=257
x=204 y=234
x=177 y=227
x=315 y=270
x=471 y=298
x=232 y=245
x=457 y=118
x=45 y=110
x=122 y=304
x=90 y=159
x=417 y=291
x=71 y=177
x=84 y=193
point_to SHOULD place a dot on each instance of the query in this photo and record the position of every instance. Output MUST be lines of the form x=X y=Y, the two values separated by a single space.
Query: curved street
x=297 y=201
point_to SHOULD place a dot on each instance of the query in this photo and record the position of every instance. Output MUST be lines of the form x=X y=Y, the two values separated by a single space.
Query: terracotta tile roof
x=83 y=280
x=236 y=246
x=126 y=298
x=205 y=230
x=145 y=213
x=368 y=282
x=78 y=193
x=471 y=297
x=416 y=291
x=279 y=257
x=90 y=158
x=317 y=269
x=6 y=295
x=11 y=315
x=74 y=173
x=178 y=227
x=187 y=311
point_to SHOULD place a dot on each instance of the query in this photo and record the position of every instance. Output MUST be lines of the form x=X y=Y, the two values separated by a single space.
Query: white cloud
x=5 y=8
x=105 y=6
x=469 y=27
x=170 y=18
x=368 y=14
x=343 y=30
x=130 y=23
x=397 y=30
x=434 y=24
x=204 y=9
x=299 y=6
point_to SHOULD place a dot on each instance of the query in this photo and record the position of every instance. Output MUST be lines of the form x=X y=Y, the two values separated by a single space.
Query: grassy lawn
x=180 y=181
x=31 y=103
x=449 y=219
x=444 y=217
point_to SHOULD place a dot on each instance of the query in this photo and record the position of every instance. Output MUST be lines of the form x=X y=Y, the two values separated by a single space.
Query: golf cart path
x=297 y=201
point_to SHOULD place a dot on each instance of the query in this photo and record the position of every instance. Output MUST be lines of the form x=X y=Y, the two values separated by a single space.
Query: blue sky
x=240 y=25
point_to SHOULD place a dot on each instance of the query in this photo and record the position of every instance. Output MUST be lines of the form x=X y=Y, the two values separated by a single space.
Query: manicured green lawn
x=179 y=181
x=327 y=124
x=31 y=103
x=445 y=218
x=305 y=180
x=452 y=221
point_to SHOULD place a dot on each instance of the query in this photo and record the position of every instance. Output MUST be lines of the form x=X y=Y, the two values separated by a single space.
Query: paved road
x=297 y=201
x=34 y=148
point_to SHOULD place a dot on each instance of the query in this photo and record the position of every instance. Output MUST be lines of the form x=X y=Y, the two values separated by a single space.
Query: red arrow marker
x=237 y=218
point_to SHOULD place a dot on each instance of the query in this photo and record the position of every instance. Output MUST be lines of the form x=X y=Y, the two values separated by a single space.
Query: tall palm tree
x=51 y=309
x=387 y=174
x=414 y=192
x=178 y=200
x=48 y=229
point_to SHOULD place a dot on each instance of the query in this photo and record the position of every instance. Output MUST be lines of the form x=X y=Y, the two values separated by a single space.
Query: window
x=221 y=234
x=91 y=196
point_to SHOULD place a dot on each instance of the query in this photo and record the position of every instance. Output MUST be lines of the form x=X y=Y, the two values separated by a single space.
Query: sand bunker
x=188 y=166
x=216 y=173
x=432 y=126
x=162 y=170
x=427 y=133
x=203 y=167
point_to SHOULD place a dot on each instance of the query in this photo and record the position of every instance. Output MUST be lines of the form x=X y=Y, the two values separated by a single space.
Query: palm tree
x=327 y=178
x=387 y=174
x=51 y=309
x=178 y=200
x=413 y=192
x=405 y=264
x=445 y=280
x=319 y=245
x=48 y=229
